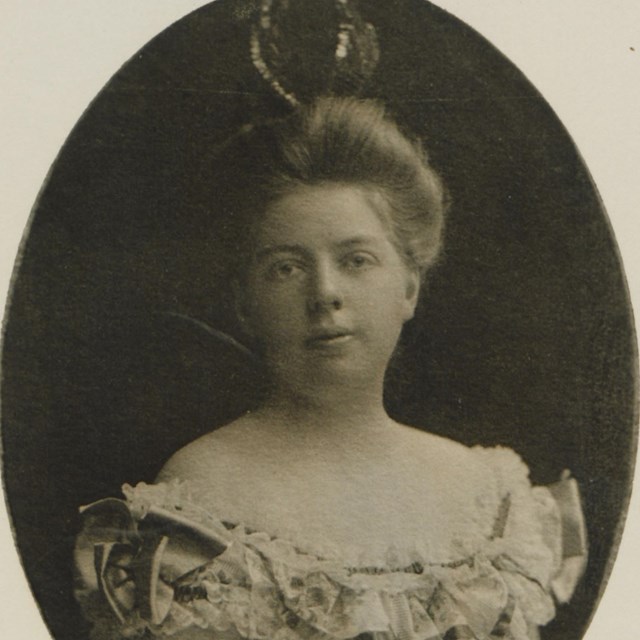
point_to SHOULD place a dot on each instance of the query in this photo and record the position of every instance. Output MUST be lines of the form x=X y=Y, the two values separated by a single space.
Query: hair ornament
x=305 y=49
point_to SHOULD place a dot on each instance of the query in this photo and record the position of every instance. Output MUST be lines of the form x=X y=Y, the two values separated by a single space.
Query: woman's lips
x=329 y=338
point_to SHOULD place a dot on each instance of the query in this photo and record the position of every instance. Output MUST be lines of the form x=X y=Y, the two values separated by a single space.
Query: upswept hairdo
x=343 y=141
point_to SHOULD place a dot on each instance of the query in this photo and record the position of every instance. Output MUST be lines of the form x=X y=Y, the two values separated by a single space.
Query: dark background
x=524 y=337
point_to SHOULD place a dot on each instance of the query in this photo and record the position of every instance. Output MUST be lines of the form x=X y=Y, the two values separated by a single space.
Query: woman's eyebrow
x=359 y=241
x=355 y=241
x=269 y=250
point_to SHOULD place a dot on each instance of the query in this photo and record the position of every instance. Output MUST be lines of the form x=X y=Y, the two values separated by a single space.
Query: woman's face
x=327 y=292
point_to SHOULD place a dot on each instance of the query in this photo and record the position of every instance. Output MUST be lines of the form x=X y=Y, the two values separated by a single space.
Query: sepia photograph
x=318 y=320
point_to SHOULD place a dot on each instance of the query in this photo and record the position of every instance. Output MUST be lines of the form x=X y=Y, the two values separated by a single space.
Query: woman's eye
x=359 y=261
x=284 y=270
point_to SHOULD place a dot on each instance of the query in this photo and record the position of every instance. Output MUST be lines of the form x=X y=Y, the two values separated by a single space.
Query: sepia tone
x=484 y=310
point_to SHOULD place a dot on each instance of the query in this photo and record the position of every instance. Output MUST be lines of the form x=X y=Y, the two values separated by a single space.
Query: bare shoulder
x=215 y=453
x=443 y=460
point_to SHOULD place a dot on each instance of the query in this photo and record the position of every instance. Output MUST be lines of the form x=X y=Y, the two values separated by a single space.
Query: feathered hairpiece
x=306 y=48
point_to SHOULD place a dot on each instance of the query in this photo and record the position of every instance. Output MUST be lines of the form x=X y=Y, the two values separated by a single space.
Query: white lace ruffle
x=261 y=587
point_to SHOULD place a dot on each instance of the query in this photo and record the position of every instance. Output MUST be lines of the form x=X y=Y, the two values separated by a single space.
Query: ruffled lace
x=156 y=563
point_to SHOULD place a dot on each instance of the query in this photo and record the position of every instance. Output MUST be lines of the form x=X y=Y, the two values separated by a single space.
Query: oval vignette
x=86 y=345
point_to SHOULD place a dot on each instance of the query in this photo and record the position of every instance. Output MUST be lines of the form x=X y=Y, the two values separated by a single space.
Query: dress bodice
x=159 y=564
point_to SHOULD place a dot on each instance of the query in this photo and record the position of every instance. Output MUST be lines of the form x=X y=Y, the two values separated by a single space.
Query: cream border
x=55 y=56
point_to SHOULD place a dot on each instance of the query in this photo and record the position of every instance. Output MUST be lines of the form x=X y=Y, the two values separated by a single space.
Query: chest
x=358 y=514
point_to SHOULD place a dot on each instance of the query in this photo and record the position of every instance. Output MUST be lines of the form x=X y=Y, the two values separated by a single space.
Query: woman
x=317 y=515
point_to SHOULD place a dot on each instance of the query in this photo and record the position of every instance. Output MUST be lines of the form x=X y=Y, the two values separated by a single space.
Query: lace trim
x=160 y=564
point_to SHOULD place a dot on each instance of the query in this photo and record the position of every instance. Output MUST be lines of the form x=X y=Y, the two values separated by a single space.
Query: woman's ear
x=412 y=292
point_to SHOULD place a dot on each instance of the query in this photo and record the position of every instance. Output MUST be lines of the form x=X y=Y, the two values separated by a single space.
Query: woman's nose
x=325 y=291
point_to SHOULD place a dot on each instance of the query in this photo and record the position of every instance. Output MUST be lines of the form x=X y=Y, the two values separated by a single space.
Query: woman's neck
x=327 y=411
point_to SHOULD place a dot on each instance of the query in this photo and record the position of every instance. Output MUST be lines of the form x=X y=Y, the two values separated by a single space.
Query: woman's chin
x=337 y=373
x=340 y=362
